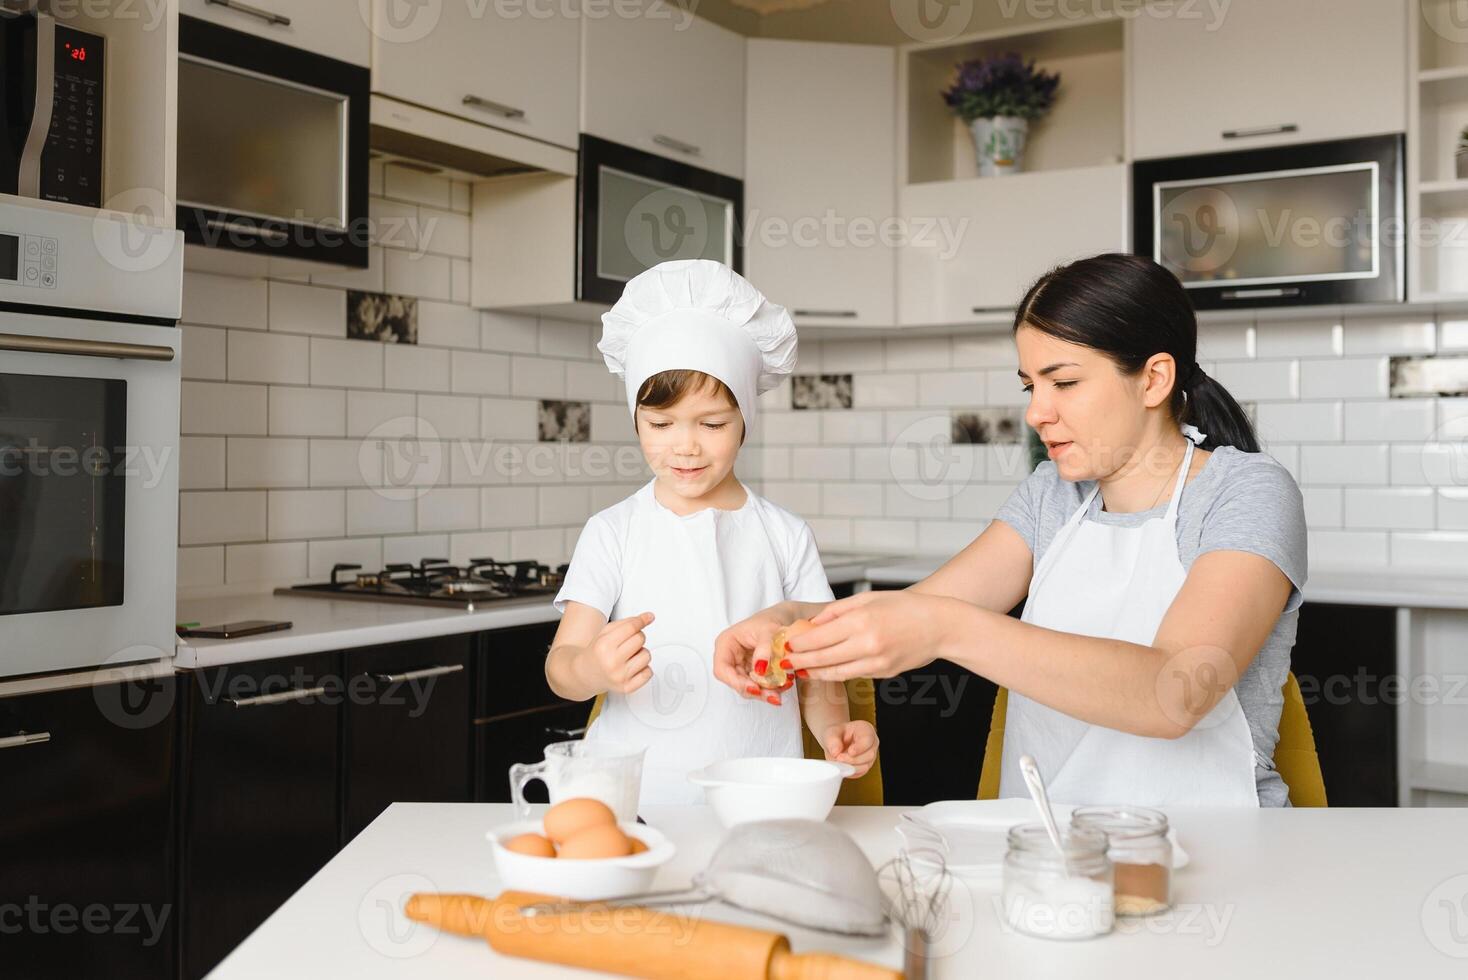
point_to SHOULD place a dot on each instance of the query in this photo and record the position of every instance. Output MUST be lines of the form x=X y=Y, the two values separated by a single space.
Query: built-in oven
x=272 y=147
x=1298 y=224
x=636 y=209
x=89 y=423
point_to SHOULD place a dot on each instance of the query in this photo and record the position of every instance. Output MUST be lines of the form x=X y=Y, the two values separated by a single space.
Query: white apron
x=1117 y=582
x=698 y=574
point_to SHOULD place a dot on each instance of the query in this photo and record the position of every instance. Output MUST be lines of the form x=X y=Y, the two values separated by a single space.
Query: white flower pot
x=1000 y=144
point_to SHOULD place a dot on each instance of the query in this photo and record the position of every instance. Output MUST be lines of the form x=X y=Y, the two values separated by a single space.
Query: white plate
x=973 y=834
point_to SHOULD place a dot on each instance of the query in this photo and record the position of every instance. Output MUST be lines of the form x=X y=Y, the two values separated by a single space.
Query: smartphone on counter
x=230 y=631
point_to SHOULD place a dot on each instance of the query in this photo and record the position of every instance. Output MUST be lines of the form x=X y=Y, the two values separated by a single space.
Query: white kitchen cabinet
x=976 y=245
x=334 y=28
x=820 y=183
x=666 y=82
x=514 y=69
x=1330 y=68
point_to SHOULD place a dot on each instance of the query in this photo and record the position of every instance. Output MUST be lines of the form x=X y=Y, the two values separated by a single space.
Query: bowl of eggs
x=578 y=850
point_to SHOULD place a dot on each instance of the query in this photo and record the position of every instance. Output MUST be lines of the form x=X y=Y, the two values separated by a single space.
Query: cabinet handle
x=269 y=17
x=296 y=694
x=24 y=738
x=692 y=149
x=1233 y=134
x=412 y=675
x=84 y=348
x=498 y=108
x=240 y=228
x=991 y=309
x=833 y=314
x=568 y=732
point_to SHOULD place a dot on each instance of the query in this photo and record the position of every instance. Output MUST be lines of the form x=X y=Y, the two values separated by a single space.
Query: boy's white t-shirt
x=697 y=574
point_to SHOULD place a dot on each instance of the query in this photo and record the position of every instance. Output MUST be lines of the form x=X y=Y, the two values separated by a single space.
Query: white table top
x=1269 y=893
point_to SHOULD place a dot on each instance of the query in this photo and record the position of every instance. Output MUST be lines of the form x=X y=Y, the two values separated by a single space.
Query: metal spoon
x=1036 y=786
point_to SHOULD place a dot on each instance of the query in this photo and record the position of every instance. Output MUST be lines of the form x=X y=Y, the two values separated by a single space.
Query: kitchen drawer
x=407 y=734
x=502 y=742
x=520 y=71
x=511 y=670
x=334 y=28
x=1330 y=68
x=665 y=81
x=87 y=823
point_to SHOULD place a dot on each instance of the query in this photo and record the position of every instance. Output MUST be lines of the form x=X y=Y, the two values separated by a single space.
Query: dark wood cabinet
x=260 y=795
x=516 y=714
x=86 y=832
x=407 y=734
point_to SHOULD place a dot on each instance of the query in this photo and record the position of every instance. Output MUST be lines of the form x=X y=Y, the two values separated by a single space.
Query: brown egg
x=531 y=844
x=600 y=841
x=637 y=846
x=569 y=817
x=775 y=676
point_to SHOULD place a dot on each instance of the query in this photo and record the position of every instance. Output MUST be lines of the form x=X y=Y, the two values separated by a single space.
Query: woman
x=1162 y=555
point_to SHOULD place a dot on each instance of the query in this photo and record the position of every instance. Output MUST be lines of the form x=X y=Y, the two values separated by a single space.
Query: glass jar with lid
x=1052 y=896
x=1140 y=852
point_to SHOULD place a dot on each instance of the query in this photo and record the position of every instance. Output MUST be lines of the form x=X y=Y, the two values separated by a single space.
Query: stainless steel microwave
x=636 y=209
x=273 y=147
x=1302 y=224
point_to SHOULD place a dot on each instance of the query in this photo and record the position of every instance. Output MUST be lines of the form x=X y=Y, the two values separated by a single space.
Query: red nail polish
x=760 y=666
x=788 y=684
x=773 y=699
x=785 y=665
x=802 y=673
x=751 y=689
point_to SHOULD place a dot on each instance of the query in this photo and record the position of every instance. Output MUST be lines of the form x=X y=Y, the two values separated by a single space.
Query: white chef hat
x=698 y=315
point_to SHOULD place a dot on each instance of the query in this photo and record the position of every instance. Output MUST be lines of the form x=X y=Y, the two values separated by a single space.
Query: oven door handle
x=84 y=348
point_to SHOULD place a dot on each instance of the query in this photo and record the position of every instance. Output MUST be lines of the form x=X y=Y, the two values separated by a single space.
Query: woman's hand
x=873 y=634
x=854 y=743
x=740 y=648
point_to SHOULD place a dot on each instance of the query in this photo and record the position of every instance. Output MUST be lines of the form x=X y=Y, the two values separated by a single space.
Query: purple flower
x=1001 y=85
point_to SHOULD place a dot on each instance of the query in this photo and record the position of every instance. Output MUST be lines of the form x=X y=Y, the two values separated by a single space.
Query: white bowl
x=742 y=790
x=579 y=878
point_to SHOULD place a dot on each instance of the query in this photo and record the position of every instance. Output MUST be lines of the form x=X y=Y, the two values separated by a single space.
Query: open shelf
x=1084 y=129
x=1442 y=46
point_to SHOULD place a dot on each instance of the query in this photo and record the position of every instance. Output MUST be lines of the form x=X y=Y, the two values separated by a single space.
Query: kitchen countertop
x=1420 y=588
x=1275 y=893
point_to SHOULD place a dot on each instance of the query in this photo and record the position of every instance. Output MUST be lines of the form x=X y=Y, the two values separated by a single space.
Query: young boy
x=656 y=577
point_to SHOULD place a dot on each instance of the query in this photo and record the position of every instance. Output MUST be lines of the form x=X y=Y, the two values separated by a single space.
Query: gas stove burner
x=437 y=582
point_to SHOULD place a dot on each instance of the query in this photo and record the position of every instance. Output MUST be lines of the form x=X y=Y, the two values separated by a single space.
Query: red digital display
x=77 y=54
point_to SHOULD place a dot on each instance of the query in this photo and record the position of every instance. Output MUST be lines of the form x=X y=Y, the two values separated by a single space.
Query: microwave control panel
x=71 y=160
x=29 y=260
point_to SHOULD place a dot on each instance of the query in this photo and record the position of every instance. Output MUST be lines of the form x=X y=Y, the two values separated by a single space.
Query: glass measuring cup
x=602 y=769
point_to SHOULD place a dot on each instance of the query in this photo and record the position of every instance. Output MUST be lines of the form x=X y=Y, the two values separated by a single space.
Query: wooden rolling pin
x=633 y=941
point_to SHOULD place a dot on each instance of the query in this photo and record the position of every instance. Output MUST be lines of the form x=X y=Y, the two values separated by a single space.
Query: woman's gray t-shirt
x=1238 y=501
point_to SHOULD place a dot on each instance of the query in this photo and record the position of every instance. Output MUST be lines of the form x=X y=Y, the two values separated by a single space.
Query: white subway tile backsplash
x=798 y=498
x=224 y=301
x=369 y=280
x=204 y=355
x=277 y=358
x=1258 y=380
x=346 y=363
x=508 y=507
x=980 y=501
x=321 y=555
x=384 y=414
x=459 y=196
x=852 y=356
x=513 y=333
x=1226 y=341
x=564 y=505
x=479 y=373
x=1452 y=508
x=447 y=325
x=308 y=411
x=947 y=538
x=788 y=428
x=852 y=499
x=562 y=338
x=449 y=509
x=821 y=463
x=200 y=567
x=1394 y=420
x=1435 y=464
x=250 y=564
x=1324 y=505
x=472 y=462
x=414 y=547
x=884 y=390
x=222 y=409
x=298 y=514
x=548 y=544
x=1452 y=419
x=219 y=517
x=253 y=463
x=831 y=533
x=382 y=511
x=1003 y=388
x=1347 y=549
x=308 y=309
x=1452 y=335
x=535 y=377
x=411 y=274
x=590 y=381
x=1357 y=377
x=448 y=417
x=1344 y=465
x=920 y=354
x=443 y=232
x=345 y=463
x=1383 y=509
x=1430 y=549
x=466 y=546
x=1296 y=338
x=461 y=275
x=407 y=184
x=850 y=426
x=201 y=463
x=887 y=536
x=412 y=368
x=516 y=420
x=991 y=351
x=964 y=389
x=1389 y=336
x=915 y=500
x=1300 y=421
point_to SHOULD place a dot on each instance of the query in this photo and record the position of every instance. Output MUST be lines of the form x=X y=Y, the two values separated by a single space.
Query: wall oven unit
x=52 y=96
x=1302 y=224
x=272 y=147
x=89 y=421
x=636 y=209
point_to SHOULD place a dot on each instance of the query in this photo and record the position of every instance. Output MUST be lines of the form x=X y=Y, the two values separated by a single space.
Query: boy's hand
x=854 y=743
x=619 y=656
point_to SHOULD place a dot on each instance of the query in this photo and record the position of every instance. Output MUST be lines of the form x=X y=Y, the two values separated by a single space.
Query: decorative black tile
x=1416 y=377
x=820 y=391
x=382 y=317
x=564 y=421
x=988 y=425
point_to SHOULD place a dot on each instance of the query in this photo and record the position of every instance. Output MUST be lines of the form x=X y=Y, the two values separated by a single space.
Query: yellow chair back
x=1294 y=754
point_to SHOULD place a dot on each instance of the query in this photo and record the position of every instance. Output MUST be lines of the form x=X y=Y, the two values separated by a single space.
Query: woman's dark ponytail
x=1130 y=308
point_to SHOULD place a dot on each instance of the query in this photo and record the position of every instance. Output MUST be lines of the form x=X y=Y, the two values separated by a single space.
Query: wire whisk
x=915 y=889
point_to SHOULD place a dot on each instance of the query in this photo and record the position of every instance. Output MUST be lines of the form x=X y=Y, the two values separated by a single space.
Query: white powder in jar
x=1059 y=908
